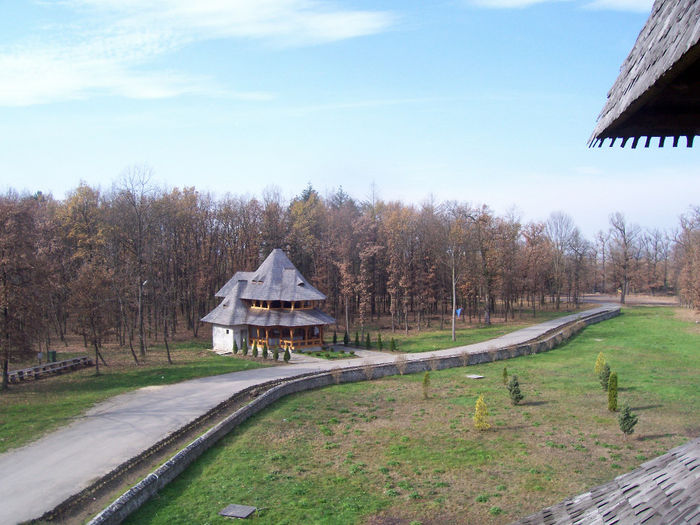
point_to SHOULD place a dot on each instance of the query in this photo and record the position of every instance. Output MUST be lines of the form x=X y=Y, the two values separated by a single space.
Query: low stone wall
x=131 y=500
x=49 y=369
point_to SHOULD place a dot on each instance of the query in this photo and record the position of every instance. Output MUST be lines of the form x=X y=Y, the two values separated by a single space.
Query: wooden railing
x=288 y=343
x=39 y=371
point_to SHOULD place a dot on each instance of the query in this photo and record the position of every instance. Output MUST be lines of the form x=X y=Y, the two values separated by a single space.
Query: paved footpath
x=37 y=477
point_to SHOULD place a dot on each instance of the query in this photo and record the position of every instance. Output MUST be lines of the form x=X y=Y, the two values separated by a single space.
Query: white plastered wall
x=223 y=337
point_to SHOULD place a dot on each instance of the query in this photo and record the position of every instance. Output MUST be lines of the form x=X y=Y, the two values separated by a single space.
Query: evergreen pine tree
x=244 y=350
x=276 y=354
x=287 y=355
x=335 y=337
x=264 y=351
x=235 y=347
x=604 y=376
x=255 y=349
x=514 y=389
x=393 y=345
x=612 y=392
x=627 y=421
x=368 y=342
x=481 y=415
x=505 y=375
x=426 y=384
x=346 y=338
x=599 y=363
x=380 y=345
x=357 y=340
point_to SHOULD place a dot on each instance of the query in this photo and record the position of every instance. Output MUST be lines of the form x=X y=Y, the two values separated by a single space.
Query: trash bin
x=52 y=356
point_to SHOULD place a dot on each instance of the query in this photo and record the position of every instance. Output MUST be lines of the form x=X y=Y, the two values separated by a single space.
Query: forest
x=136 y=263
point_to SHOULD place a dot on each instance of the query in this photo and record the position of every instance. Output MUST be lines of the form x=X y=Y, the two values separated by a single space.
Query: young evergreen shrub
x=357 y=340
x=368 y=342
x=604 y=376
x=505 y=375
x=255 y=349
x=627 y=421
x=481 y=415
x=392 y=347
x=335 y=338
x=276 y=353
x=599 y=364
x=612 y=392
x=244 y=349
x=264 y=351
x=346 y=338
x=426 y=384
x=235 y=347
x=380 y=345
x=514 y=389
x=287 y=355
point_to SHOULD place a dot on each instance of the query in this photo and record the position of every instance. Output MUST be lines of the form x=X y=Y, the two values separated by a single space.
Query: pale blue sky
x=488 y=101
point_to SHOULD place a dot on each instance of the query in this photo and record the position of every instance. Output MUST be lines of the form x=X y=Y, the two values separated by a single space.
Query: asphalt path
x=39 y=476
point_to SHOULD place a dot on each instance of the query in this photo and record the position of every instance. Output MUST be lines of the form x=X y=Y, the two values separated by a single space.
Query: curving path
x=39 y=476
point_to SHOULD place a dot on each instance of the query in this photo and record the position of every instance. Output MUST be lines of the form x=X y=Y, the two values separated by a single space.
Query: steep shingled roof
x=657 y=93
x=663 y=490
x=277 y=279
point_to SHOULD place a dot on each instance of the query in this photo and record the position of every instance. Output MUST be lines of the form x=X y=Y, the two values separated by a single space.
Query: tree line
x=136 y=263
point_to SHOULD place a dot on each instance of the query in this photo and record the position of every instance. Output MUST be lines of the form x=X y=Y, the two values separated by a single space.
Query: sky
x=484 y=101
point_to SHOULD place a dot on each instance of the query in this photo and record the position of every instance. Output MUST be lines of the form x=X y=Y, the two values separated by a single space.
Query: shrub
x=604 y=376
x=599 y=363
x=368 y=342
x=255 y=349
x=244 y=349
x=612 y=392
x=287 y=355
x=514 y=389
x=426 y=384
x=481 y=415
x=505 y=375
x=264 y=351
x=357 y=340
x=335 y=338
x=627 y=421
x=235 y=347
x=380 y=345
x=276 y=354
x=346 y=338
x=392 y=347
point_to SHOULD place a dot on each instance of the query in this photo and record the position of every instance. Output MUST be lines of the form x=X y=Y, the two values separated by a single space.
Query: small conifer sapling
x=505 y=375
x=346 y=338
x=627 y=421
x=599 y=364
x=235 y=347
x=264 y=351
x=612 y=392
x=393 y=345
x=255 y=349
x=244 y=349
x=287 y=355
x=426 y=384
x=514 y=390
x=335 y=337
x=357 y=340
x=276 y=353
x=481 y=415
x=380 y=345
x=368 y=342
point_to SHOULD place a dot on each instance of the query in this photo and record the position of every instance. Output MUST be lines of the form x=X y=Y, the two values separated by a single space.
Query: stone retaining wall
x=131 y=500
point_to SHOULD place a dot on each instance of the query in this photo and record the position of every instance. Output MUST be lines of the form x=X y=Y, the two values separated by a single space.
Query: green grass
x=431 y=339
x=378 y=452
x=27 y=411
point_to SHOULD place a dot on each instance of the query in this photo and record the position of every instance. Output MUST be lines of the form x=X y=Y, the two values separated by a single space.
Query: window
x=227 y=330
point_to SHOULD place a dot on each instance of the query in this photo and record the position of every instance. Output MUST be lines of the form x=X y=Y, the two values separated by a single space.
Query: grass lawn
x=377 y=452
x=466 y=334
x=27 y=411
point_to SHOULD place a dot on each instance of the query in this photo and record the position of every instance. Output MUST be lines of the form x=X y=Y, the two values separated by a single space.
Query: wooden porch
x=285 y=337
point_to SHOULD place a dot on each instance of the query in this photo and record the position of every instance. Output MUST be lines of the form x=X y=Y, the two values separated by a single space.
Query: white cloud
x=109 y=47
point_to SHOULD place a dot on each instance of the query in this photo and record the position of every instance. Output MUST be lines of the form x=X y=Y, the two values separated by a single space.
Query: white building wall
x=223 y=337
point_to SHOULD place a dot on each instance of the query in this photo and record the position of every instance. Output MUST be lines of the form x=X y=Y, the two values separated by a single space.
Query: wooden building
x=657 y=93
x=274 y=305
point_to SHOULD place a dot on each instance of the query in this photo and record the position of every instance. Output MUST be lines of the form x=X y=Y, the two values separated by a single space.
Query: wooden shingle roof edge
x=667 y=46
x=665 y=489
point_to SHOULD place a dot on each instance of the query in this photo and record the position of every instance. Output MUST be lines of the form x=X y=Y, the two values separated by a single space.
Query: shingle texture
x=277 y=279
x=644 y=101
x=664 y=490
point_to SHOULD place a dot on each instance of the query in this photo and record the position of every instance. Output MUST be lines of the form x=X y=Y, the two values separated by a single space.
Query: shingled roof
x=663 y=490
x=657 y=93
